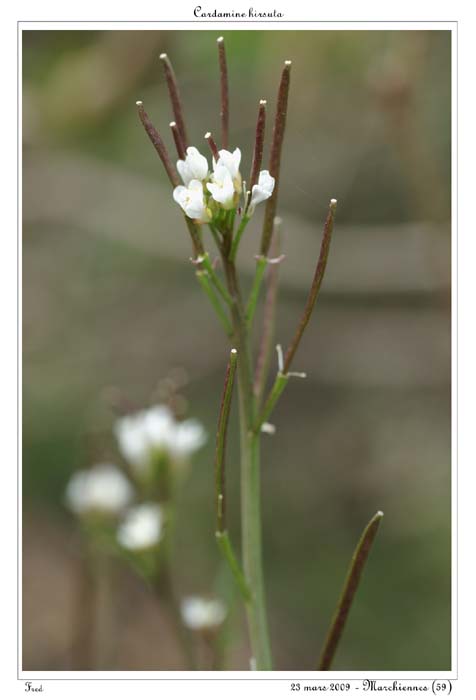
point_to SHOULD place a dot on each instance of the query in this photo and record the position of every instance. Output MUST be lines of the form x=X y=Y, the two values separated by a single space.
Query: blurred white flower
x=194 y=167
x=222 y=188
x=141 y=434
x=200 y=613
x=188 y=437
x=102 y=488
x=142 y=527
x=137 y=434
x=192 y=201
x=262 y=190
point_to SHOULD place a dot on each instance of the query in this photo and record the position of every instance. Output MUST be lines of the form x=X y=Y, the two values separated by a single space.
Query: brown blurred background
x=111 y=307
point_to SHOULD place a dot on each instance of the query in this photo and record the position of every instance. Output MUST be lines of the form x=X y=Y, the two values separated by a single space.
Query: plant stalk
x=250 y=481
x=251 y=535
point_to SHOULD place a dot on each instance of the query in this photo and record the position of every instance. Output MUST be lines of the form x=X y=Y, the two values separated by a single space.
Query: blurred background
x=111 y=308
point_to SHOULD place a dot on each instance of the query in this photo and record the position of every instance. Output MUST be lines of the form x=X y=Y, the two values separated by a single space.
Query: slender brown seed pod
x=259 y=142
x=224 y=111
x=213 y=147
x=359 y=559
x=315 y=286
x=174 y=97
x=158 y=144
x=179 y=145
x=275 y=156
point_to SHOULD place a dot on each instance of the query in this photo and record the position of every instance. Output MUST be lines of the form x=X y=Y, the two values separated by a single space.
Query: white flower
x=199 y=613
x=141 y=434
x=231 y=161
x=222 y=187
x=262 y=190
x=102 y=488
x=194 y=167
x=142 y=527
x=192 y=201
x=188 y=437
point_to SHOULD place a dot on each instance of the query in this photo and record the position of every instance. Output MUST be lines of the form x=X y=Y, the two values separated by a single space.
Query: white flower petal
x=194 y=167
x=222 y=188
x=200 y=613
x=142 y=527
x=263 y=189
x=231 y=161
x=192 y=201
x=188 y=438
x=102 y=488
x=132 y=438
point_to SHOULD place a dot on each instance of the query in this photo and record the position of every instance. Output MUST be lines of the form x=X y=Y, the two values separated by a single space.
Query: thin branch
x=226 y=549
x=224 y=111
x=195 y=234
x=220 y=447
x=204 y=279
x=275 y=156
x=213 y=147
x=276 y=391
x=221 y=533
x=269 y=314
x=284 y=374
x=204 y=260
x=259 y=143
x=237 y=238
x=174 y=96
x=261 y=264
x=158 y=144
x=315 y=287
x=216 y=236
x=357 y=564
x=179 y=144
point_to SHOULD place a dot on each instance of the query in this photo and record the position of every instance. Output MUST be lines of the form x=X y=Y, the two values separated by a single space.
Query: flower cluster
x=103 y=496
x=142 y=435
x=205 y=193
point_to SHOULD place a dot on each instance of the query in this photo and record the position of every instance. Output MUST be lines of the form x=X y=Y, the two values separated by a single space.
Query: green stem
x=215 y=279
x=226 y=549
x=250 y=482
x=221 y=534
x=276 y=391
x=220 y=444
x=269 y=316
x=255 y=289
x=251 y=537
x=216 y=236
x=236 y=241
x=204 y=280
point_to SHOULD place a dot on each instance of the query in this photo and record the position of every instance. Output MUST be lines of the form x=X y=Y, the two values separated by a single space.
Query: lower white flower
x=103 y=488
x=222 y=188
x=200 y=613
x=192 y=201
x=262 y=190
x=142 y=527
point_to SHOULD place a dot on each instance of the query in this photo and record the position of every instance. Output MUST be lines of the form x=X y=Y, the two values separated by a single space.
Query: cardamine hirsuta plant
x=218 y=204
